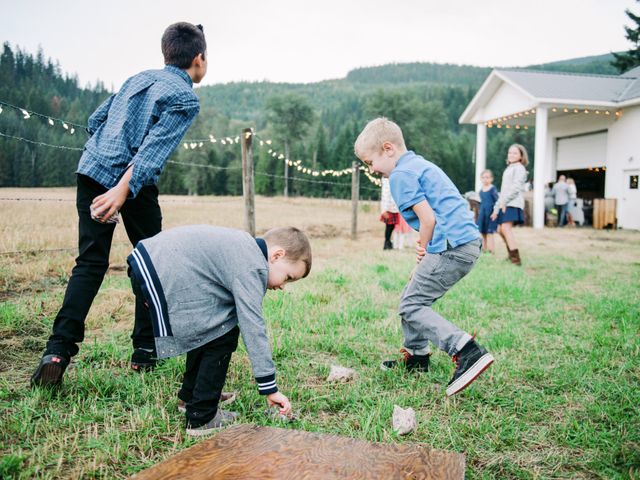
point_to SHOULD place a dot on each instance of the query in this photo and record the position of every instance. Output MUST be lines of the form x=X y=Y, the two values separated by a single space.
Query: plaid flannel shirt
x=140 y=125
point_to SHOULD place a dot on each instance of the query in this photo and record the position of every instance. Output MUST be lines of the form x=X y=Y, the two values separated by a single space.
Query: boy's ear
x=277 y=253
x=198 y=60
x=387 y=146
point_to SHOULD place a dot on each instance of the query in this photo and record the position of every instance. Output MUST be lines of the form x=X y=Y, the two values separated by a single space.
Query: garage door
x=582 y=151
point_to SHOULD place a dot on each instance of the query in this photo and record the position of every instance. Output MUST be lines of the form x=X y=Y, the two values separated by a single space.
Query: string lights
x=51 y=121
x=507 y=121
x=70 y=127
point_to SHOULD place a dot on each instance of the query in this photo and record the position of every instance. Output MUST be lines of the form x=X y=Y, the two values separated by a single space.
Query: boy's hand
x=279 y=400
x=109 y=203
x=420 y=252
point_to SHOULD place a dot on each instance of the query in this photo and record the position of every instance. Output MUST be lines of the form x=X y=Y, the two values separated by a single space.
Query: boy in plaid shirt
x=131 y=136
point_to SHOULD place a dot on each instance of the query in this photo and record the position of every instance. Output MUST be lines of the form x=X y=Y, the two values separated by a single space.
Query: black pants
x=204 y=377
x=388 y=230
x=142 y=219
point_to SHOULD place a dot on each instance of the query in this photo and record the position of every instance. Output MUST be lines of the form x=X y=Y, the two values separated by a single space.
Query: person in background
x=561 y=199
x=571 y=208
x=388 y=213
x=488 y=197
x=509 y=209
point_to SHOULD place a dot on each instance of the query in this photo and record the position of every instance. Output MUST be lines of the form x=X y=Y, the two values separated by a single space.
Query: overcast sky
x=301 y=41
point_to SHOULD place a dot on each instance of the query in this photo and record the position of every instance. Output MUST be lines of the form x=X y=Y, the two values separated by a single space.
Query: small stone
x=274 y=414
x=404 y=420
x=341 y=374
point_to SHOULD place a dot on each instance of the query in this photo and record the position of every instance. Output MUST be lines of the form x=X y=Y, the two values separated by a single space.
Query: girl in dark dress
x=488 y=197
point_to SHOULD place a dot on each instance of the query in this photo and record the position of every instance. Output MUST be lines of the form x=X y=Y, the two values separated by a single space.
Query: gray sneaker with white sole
x=221 y=420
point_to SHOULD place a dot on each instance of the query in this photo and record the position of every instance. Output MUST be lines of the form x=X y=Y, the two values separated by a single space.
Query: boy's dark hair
x=295 y=243
x=181 y=43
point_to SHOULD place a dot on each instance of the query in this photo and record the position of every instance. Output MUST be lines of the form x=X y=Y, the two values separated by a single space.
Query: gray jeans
x=432 y=278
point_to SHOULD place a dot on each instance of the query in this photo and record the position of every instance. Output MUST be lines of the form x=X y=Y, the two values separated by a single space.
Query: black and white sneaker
x=418 y=363
x=471 y=361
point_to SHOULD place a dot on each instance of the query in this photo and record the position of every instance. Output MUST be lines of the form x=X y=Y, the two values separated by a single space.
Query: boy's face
x=199 y=66
x=283 y=271
x=381 y=161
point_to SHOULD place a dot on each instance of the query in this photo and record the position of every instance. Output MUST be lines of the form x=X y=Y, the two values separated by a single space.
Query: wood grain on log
x=253 y=452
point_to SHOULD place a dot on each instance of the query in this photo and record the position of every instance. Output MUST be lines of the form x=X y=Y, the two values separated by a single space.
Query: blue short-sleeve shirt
x=415 y=179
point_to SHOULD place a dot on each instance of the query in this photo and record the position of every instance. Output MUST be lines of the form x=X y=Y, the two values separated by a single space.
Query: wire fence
x=70 y=127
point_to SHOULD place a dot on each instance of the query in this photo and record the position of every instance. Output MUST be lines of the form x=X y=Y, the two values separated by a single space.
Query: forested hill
x=245 y=100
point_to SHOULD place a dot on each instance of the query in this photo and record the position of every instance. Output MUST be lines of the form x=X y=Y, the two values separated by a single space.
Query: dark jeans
x=142 y=219
x=204 y=377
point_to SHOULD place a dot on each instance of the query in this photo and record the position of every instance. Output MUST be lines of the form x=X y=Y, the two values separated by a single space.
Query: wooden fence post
x=355 y=194
x=248 y=190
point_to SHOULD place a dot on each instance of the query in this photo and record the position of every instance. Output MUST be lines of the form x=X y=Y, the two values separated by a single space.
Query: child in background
x=448 y=248
x=488 y=197
x=401 y=232
x=388 y=214
x=509 y=209
x=204 y=285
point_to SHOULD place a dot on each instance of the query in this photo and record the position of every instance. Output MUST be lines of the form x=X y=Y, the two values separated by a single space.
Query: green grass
x=561 y=401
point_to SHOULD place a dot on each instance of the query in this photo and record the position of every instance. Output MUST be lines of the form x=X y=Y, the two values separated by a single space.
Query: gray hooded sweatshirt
x=200 y=281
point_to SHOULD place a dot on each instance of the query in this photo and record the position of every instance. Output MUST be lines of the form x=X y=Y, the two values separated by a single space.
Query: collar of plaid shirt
x=180 y=72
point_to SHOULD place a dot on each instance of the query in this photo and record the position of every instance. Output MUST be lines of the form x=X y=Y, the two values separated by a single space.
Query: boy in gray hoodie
x=203 y=285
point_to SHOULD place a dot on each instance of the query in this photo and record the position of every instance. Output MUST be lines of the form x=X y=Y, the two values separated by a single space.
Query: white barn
x=587 y=126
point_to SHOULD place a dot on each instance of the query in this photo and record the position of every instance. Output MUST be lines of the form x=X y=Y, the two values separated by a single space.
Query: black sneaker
x=50 y=371
x=471 y=361
x=143 y=360
x=418 y=363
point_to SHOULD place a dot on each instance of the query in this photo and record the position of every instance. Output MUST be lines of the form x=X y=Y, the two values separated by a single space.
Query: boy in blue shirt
x=131 y=136
x=448 y=248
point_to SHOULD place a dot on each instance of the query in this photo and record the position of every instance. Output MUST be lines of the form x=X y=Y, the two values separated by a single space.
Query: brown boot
x=514 y=256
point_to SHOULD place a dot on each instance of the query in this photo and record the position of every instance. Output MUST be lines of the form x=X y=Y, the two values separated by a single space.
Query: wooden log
x=355 y=195
x=248 y=188
x=253 y=452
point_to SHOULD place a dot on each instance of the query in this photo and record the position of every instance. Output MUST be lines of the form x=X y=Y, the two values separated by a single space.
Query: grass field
x=561 y=401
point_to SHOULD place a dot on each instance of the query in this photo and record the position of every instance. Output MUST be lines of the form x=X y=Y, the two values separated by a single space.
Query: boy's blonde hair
x=523 y=154
x=375 y=133
x=487 y=171
x=295 y=244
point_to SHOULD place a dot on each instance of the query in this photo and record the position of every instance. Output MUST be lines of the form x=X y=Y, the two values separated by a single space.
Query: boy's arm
x=160 y=142
x=248 y=292
x=98 y=117
x=427 y=219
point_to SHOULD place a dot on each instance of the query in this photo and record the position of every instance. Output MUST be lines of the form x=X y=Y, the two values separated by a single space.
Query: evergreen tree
x=631 y=58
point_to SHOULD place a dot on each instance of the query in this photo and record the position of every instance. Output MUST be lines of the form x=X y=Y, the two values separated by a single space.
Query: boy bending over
x=203 y=285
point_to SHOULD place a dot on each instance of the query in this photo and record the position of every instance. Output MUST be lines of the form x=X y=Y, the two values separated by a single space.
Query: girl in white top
x=509 y=209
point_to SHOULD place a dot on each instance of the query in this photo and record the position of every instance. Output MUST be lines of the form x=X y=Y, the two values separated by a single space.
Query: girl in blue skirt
x=488 y=198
